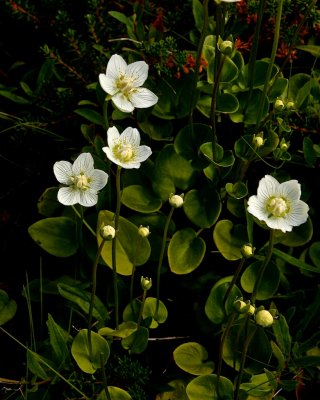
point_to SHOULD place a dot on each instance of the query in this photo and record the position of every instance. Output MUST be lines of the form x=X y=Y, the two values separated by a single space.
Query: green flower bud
x=264 y=318
x=226 y=47
x=240 y=306
x=247 y=250
x=144 y=231
x=284 y=145
x=258 y=140
x=146 y=283
x=290 y=105
x=107 y=232
x=251 y=310
x=279 y=105
x=175 y=200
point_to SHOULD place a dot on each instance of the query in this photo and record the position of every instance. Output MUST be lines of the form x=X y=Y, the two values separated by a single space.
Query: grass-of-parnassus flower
x=82 y=182
x=125 y=150
x=123 y=83
x=278 y=204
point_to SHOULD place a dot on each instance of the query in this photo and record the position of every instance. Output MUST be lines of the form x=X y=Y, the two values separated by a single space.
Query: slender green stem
x=244 y=356
x=105 y=112
x=263 y=267
x=93 y=294
x=234 y=279
x=141 y=308
x=223 y=338
x=271 y=62
x=198 y=57
x=163 y=247
x=84 y=221
x=114 y=248
x=104 y=379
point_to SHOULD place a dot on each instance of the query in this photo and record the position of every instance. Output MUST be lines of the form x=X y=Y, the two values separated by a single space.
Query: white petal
x=291 y=190
x=110 y=155
x=268 y=187
x=68 y=196
x=99 y=179
x=138 y=72
x=83 y=164
x=131 y=135
x=122 y=102
x=279 y=223
x=257 y=208
x=108 y=84
x=142 y=153
x=142 y=98
x=113 y=136
x=63 y=172
x=88 y=198
x=298 y=214
x=116 y=67
x=129 y=164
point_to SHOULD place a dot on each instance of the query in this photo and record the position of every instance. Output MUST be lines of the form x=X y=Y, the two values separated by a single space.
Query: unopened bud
x=175 y=200
x=279 y=105
x=240 y=306
x=107 y=232
x=258 y=140
x=226 y=47
x=247 y=250
x=290 y=105
x=146 y=283
x=264 y=318
x=144 y=231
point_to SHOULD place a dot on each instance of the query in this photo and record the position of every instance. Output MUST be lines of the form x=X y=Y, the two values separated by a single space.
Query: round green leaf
x=56 y=235
x=215 y=308
x=314 y=253
x=171 y=172
x=8 y=308
x=117 y=393
x=223 y=158
x=192 y=358
x=80 y=351
x=227 y=103
x=140 y=199
x=259 y=350
x=299 y=236
x=156 y=128
x=137 y=342
x=237 y=190
x=229 y=239
x=229 y=71
x=188 y=141
x=205 y=387
x=131 y=249
x=269 y=283
x=203 y=206
x=186 y=251
x=248 y=104
x=149 y=310
x=178 y=391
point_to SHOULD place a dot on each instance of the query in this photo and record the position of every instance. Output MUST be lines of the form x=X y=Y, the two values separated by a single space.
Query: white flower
x=125 y=149
x=175 y=200
x=82 y=180
x=107 y=232
x=122 y=82
x=279 y=204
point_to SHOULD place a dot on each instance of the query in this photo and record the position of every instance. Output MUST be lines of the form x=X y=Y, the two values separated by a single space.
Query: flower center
x=277 y=207
x=124 y=84
x=81 y=182
x=123 y=152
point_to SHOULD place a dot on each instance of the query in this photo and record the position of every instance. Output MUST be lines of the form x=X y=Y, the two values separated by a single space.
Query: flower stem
x=141 y=308
x=263 y=267
x=114 y=248
x=234 y=279
x=163 y=247
x=93 y=294
x=84 y=221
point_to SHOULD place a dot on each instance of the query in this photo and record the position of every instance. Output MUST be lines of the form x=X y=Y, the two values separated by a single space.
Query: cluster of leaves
x=214 y=134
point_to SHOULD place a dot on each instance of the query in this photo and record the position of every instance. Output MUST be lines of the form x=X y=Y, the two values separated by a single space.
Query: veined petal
x=113 y=136
x=137 y=72
x=63 y=172
x=142 y=98
x=298 y=214
x=279 y=223
x=110 y=155
x=257 y=209
x=83 y=164
x=291 y=190
x=99 y=179
x=268 y=187
x=122 y=102
x=142 y=153
x=88 y=198
x=131 y=136
x=129 y=164
x=116 y=67
x=108 y=84
x=68 y=196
